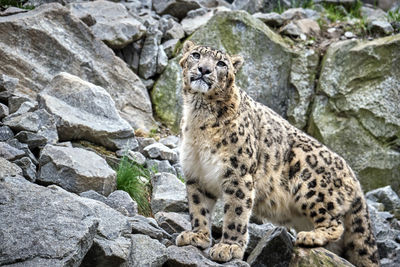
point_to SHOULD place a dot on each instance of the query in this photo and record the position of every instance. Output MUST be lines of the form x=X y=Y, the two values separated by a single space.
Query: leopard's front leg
x=201 y=204
x=238 y=196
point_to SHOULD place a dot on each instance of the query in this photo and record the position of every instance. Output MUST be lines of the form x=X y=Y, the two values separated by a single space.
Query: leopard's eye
x=196 y=55
x=221 y=64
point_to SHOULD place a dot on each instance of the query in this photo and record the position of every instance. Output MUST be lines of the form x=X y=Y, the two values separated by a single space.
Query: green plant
x=134 y=179
x=394 y=16
x=16 y=3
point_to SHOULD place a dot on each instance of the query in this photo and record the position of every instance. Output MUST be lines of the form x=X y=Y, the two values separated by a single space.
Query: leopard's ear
x=187 y=46
x=237 y=62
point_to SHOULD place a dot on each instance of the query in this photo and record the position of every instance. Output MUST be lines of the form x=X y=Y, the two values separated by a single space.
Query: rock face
x=176 y=8
x=85 y=111
x=264 y=75
x=76 y=170
x=50 y=31
x=317 y=257
x=360 y=118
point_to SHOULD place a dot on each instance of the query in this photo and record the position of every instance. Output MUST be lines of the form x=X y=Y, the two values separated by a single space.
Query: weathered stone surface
x=318 y=257
x=162 y=61
x=380 y=27
x=149 y=53
x=5 y=133
x=113 y=23
x=76 y=170
x=33 y=140
x=50 y=32
x=144 y=142
x=359 y=118
x=7 y=86
x=271 y=19
x=93 y=195
x=173 y=222
x=256 y=233
x=28 y=168
x=169 y=193
x=4 y=112
x=146 y=251
x=85 y=111
x=24 y=147
x=147 y=226
x=386 y=196
x=43 y=223
x=8 y=169
x=171 y=29
x=170 y=141
x=15 y=101
x=160 y=151
x=38 y=121
x=274 y=249
x=170 y=47
x=160 y=166
x=122 y=202
x=233 y=32
x=9 y=152
x=176 y=8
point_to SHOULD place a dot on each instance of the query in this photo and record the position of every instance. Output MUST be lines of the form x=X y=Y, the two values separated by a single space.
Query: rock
x=302 y=79
x=24 y=147
x=7 y=86
x=113 y=23
x=271 y=19
x=370 y=14
x=85 y=111
x=318 y=257
x=144 y=142
x=308 y=26
x=191 y=256
x=349 y=35
x=38 y=121
x=160 y=166
x=33 y=140
x=160 y=151
x=93 y=195
x=4 y=112
x=146 y=226
x=72 y=48
x=173 y=222
x=218 y=218
x=136 y=157
x=9 y=152
x=15 y=101
x=387 y=197
x=149 y=53
x=170 y=47
x=169 y=193
x=8 y=169
x=26 y=106
x=122 y=202
x=5 y=133
x=76 y=170
x=170 y=141
x=146 y=251
x=380 y=27
x=131 y=54
x=162 y=61
x=28 y=168
x=199 y=17
x=232 y=31
x=253 y=6
x=176 y=8
x=291 y=29
x=171 y=29
x=256 y=233
x=361 y=124
x=294 y=14
x=274 y=249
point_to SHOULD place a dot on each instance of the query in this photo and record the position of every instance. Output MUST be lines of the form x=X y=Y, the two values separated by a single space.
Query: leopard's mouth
x=200 y=84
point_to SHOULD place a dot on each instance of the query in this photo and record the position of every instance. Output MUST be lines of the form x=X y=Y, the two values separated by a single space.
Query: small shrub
x=130 y=176
x=16 y=3
x=394 y=16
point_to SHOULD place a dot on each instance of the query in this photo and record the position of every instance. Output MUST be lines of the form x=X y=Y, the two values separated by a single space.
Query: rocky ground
x=83 y=84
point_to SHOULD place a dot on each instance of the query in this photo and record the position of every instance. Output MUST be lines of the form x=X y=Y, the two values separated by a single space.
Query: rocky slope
x=81 y=83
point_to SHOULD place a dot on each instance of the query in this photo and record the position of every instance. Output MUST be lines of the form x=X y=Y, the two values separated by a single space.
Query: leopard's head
x=206 y=69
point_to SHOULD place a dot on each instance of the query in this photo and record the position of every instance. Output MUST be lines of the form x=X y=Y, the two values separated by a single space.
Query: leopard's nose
x=204 y=70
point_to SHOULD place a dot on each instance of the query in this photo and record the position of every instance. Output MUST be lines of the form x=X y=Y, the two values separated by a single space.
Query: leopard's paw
x=311 y=239
x=223 y=252
x=200 y=239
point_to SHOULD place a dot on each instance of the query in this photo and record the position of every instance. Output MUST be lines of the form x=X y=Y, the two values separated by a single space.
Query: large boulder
x=86 y=111
x=357 y=113
x=76 y=170
x=265 y=74
x=55 y=41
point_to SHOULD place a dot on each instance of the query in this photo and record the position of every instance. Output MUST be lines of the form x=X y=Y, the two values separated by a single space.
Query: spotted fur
x=243 y=152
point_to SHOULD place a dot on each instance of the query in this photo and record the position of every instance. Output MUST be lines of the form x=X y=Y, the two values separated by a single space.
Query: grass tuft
x=135 y=179
x=394 y=16
x=16 y=3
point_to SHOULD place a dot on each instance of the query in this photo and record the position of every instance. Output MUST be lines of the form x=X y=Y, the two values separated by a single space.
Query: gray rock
x=76 y=170
x=256 y=233
x=83 y=55
x=162 y=61
x=9 y=152
x=135 y=156
x=93 y=195
x=294 y=14
x=7 y=86
x=86 y=111
x=179 y=170
x=33 y=140
x=274 y=249
x=386 y=196
x=169 y=193
x=149 y=53
x=113 y=23
x=218 y=218
x=170 y=47
x=173 y=222
x=38 y=121
x=171 y=29
x=15 y=101
x=199 y=17
x=271 y=19
x=176 y=8
x=28 y=168
x=8 y=169
x=316 y=257
x=146 y=251
x=60 y=230
x=156 y=166
x=146 y=226
x=24 y=147
x=26 y=106
x=370 y=14
x=380 y=27
x=160 y=151
x=292 y=29
x=122 y=202
x=170 y=141
x=4 y=112
x=5 y=133
x=144 y=142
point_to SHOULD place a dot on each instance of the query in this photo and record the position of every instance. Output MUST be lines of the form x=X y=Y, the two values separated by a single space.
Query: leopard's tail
x=360 y=247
